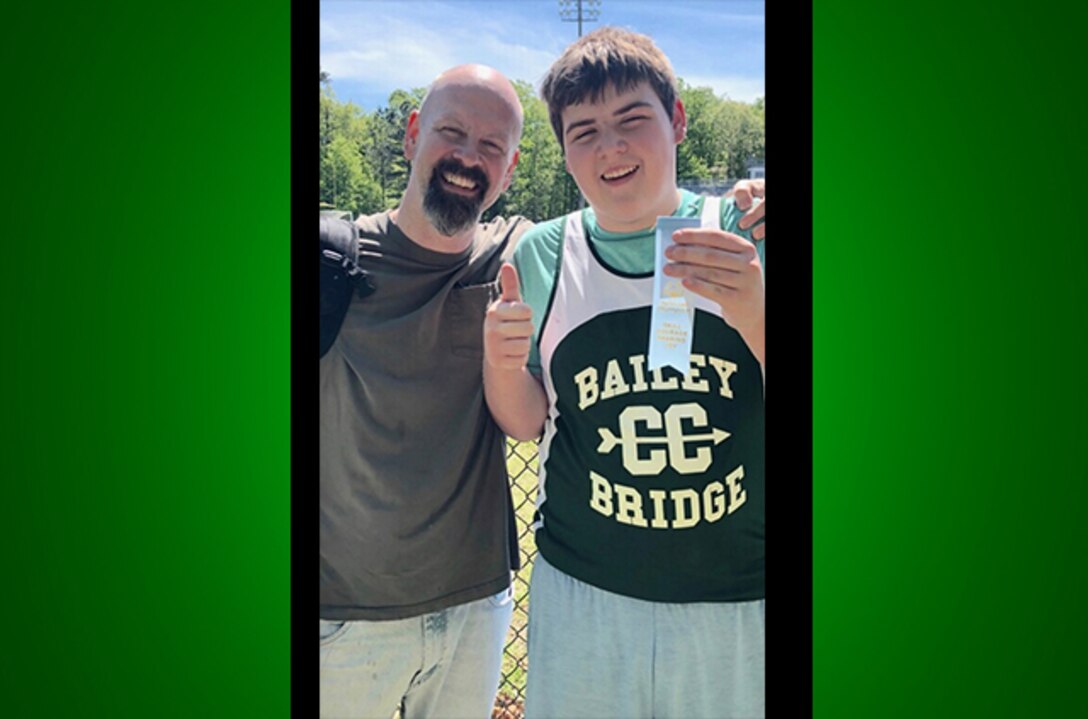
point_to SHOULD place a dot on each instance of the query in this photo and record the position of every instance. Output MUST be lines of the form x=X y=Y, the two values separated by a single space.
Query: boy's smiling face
x=621 y=151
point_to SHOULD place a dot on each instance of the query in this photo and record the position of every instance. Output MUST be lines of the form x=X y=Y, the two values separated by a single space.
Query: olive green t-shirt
x=415 y=504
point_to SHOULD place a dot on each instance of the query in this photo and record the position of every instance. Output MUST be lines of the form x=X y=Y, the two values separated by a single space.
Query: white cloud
x=742 y=89
x=394 y=52
x=399 y=55
x=372 y=48
x=517 y=62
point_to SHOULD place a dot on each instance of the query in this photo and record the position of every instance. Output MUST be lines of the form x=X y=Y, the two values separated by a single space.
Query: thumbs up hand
x=508 y=327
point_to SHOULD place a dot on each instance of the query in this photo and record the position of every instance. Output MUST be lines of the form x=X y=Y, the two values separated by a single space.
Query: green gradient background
x=949 y=323
x=145 y=372
x=146 y=287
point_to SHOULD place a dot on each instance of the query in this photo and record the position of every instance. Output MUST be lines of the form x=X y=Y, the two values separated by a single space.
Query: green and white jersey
x=651 y=483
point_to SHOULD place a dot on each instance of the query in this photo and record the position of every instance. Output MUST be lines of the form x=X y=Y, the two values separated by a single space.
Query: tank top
x=651 y=483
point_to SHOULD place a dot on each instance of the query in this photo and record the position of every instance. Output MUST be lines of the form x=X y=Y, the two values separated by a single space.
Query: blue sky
x=372 y=47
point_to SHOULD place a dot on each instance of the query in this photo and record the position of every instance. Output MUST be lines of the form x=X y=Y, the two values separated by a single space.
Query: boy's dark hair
x=607 y=56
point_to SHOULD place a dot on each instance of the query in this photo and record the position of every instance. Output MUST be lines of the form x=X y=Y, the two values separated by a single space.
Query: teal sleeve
x=731 y=215
x=537 y=262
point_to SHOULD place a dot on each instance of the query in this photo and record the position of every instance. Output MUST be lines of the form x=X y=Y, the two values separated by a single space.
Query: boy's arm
x=515 y=397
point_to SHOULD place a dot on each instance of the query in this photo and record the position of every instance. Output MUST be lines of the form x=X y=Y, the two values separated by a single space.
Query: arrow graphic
x=609 y=440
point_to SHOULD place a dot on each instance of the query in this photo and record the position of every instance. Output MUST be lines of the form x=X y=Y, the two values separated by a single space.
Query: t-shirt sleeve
x=537 y=261
x=731 y=215
x=518 y=227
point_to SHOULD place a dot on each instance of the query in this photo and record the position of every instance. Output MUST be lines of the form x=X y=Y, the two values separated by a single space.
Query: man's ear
x=411 y=135
x=509 y=176
x=679 y=121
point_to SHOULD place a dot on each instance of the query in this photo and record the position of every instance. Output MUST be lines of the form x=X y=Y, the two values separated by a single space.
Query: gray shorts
x=597 y=654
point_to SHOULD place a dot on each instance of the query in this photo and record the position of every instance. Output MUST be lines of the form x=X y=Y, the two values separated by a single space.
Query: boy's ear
x=679 y=121
x=411 y=135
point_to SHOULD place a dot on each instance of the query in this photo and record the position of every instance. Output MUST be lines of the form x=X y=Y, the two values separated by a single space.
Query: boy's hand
x=744 y=193
x=725 y=268
x=508 y=328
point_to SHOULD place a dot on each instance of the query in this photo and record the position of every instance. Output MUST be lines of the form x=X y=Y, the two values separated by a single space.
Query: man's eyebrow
x=456 y=122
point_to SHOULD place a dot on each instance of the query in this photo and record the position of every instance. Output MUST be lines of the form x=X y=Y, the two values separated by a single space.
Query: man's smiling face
x=463 y=148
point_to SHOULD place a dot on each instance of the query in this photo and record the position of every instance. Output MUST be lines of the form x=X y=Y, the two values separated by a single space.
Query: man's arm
x=744 y=193
x=515 y=397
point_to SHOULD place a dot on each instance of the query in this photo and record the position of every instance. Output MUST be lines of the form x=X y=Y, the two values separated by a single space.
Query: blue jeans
x=596 y=654
x=444 y=664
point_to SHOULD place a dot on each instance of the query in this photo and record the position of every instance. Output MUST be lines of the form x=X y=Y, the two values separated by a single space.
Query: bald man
x=418 y=537
x=417 y=529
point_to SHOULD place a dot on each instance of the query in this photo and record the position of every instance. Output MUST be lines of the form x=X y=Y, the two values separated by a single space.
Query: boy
x=647 y=596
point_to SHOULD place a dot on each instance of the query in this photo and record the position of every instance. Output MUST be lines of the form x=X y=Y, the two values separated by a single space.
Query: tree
x=538 y=188
x=705 y=151
x=385 y=144
x=363 y=168
x=346 y=180
x=752 y=138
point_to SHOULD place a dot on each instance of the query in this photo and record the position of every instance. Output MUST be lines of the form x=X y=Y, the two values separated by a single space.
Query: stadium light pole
x=580 y=11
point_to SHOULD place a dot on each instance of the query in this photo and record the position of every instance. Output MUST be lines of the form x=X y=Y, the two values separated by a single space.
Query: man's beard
x=451 y=213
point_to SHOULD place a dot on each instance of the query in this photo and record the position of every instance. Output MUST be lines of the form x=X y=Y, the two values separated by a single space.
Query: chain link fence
x=522 y=462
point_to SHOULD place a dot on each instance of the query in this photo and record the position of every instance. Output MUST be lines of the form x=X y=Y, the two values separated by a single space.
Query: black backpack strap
x=341 y=276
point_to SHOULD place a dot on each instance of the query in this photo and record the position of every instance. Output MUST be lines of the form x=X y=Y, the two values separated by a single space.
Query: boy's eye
x=578 y=137
x=631 y=121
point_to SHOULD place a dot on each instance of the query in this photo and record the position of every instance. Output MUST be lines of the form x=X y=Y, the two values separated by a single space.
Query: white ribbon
x=671 y=315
